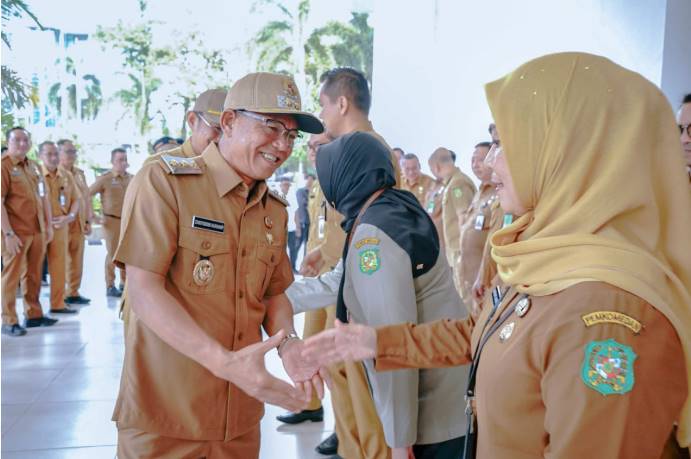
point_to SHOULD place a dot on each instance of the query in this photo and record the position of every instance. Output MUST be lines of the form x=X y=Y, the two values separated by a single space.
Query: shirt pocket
x=269 y=257
x=195 y=246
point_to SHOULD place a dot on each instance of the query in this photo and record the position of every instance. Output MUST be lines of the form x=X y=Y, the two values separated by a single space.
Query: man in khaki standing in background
x=112 y=186
x=79 y=228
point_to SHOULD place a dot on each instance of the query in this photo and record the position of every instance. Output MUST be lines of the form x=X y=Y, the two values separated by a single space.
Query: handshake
x=304 y=361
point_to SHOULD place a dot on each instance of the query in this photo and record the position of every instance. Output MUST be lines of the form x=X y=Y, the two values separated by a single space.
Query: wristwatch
x=288 y=337
x=11 y=233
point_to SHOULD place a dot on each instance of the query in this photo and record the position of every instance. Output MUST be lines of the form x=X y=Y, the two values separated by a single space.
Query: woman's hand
x=345 y=343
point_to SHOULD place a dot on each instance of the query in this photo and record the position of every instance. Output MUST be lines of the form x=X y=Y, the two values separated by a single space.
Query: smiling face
x=18 y=143
x=411 y=170
x=253 y=149
x=480 y=169
x=68 y=155
x=501 y=178
x=49 y=156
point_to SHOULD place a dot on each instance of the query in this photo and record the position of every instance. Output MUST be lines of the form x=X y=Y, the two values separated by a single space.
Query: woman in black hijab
x=392 y=273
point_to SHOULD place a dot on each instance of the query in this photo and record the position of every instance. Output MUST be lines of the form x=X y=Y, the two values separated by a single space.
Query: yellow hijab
x=594 y=153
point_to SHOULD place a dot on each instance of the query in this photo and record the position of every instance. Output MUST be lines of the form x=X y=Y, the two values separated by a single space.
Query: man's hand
x=49 y=234
x=345 y=343
x=245 y=368
x=13 y=245
x=59 y=222
x=312 y=263
x=301 y=370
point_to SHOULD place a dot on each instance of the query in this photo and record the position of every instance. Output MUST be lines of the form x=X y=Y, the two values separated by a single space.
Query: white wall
x=432 y=58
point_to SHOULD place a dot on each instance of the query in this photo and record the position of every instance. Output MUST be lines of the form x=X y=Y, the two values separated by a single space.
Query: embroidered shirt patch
x=370 y=261
x=608 y=367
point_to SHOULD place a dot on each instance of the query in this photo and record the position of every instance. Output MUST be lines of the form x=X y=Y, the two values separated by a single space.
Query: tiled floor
x=59 y=386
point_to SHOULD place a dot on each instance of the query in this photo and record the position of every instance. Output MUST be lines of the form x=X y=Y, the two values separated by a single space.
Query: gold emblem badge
x=203 y=272
x=268 y=223
x=270 y=238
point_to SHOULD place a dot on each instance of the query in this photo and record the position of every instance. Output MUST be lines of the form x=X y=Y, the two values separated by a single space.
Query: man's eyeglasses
x=215 y=127
x=275 y=127
x=686 y=128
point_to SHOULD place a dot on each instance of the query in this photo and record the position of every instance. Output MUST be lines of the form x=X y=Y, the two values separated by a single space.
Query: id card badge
x=41 y=189
x=479 y=222
x=63 y=199
x=508 y=219
x=321 y=227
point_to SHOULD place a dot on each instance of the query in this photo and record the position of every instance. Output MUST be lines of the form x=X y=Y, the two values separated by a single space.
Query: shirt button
x=244 y=252
x=241 y=294
x=240 y=336
x=206 y=245
x=272 y=258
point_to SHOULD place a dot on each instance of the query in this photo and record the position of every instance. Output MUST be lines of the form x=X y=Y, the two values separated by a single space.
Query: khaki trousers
x=75 y=258
x=137 y=444
x=56 y=253
x=315 y=322
x=359 y=430
x=26 y=265
x=111 y=232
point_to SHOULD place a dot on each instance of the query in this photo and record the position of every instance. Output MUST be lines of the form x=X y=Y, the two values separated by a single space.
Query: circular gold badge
x=203 y=272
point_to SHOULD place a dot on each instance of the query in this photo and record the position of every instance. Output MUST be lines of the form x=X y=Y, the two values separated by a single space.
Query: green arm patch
x=457 y=192
x=608 y=367
x=370 y=261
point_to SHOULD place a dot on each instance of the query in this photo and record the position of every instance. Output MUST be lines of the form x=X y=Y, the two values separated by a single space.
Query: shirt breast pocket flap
x=203 y=261
x=269 y=256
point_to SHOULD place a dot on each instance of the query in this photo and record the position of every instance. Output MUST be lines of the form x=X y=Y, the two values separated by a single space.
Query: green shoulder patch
x=370 y=261
x=457 y=192
x=608 y=367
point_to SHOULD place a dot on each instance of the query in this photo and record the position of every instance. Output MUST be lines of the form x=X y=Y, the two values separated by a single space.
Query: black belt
x=111 y=216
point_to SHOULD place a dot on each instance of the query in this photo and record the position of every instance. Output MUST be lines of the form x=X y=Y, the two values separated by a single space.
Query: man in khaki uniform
x=112 y=186
x=433 y=207
x=64 y=199
x=204 y=242
x=345 y=102
x=25 y=231
x=79 y=228
x=459 y=190
x=203 y=121
x=414 y=180
x=476 y=225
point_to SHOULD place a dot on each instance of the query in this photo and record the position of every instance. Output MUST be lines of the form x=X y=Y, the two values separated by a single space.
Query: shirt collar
x=187 y=149
x=16 y=162
x=46 y=172
x=224 y=176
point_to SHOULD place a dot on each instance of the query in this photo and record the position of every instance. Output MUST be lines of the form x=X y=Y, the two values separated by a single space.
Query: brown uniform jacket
x=62 y=190
x=433 y=206
x=23 y=190
x=83 y=187
x=474 y=232
x=112 y=188
x=487 y=271
x=535 y=395
x=325 y=232
x=420 y=188
x=458 y=193
x=170 y=224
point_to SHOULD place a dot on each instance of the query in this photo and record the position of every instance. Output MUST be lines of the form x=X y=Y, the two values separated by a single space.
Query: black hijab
x=350 y=170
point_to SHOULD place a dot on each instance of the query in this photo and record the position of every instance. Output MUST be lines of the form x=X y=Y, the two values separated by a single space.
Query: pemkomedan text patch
x=208 y=224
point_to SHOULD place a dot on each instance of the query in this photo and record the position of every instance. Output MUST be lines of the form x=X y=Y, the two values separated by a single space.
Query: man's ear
x=343 y=105
x=191 y=119
x=227 y=118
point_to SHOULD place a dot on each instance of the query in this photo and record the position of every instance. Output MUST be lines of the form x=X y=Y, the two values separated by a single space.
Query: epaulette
x=280 y=197
x=177 y=165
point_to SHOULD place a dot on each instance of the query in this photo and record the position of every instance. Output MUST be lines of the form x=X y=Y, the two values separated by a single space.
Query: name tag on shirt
x=479 y=222
x=41 y=189
x=208 y=224
x=63 y=200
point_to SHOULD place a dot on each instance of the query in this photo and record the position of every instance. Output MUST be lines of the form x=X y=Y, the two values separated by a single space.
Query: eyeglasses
x=274 y=127
x=215 y=127
x=686 y=128
x=494 y=152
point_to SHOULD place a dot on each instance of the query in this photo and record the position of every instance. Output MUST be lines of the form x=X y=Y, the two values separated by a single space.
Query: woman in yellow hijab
x=585 y=348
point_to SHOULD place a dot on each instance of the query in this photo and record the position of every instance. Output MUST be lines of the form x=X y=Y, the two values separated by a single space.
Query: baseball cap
x=264 y=92
x=210 y=103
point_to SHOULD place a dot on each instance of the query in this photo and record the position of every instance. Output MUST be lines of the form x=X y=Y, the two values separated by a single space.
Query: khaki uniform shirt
x=112 y=188
x=474 y=235
x=83 y=187
x=325 y=232
x=458 y=193
x=591 y=371
x=420 y=188
x=222 y=249
x=433 y=207
x=62 y=190
x=23 y=190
